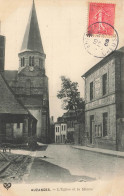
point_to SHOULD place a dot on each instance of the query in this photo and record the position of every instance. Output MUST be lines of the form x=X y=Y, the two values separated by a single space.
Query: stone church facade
x=30 y=83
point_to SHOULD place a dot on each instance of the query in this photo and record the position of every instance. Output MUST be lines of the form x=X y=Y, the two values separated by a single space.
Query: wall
x=38 y=115
x=101 y=104
x=98 y=121
x=96 y=78
x=79 y=133
x=60 y=132
x=17 y=132
x=120 y=134
x=9 y=132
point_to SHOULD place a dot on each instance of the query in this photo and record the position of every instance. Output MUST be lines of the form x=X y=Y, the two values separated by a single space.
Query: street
x=81 y=164
x=61 y=163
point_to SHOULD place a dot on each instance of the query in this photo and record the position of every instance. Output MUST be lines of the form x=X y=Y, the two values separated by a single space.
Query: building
x=30 y=83
x=17 y=124
x=75 y=125
x=60 y=132
x=104 y=102
x=52 y=130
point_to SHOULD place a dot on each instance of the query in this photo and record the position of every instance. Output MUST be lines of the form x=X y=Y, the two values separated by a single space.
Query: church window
x=23 y=63
x=33 y=61
x=29 y=60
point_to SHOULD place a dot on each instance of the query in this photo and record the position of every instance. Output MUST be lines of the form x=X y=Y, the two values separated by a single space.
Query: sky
x=62 y=26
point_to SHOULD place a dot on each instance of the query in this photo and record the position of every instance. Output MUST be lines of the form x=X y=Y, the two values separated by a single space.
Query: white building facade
x=60 y=132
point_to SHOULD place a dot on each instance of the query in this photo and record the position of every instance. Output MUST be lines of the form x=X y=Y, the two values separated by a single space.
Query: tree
x=70 y=95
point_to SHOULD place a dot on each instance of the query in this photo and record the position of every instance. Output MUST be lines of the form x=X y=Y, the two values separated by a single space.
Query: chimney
x=2 y=53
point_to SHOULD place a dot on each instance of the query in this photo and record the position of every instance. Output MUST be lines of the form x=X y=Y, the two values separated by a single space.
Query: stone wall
x=96 y=78
x=120 y=134
x=37 y=113
x=102 y=104
x=98 y=119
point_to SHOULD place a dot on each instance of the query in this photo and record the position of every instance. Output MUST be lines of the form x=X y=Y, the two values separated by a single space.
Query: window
x=104 y=84
x=22 y=62
x=105 y=124
x=56 y=129
x=18 y=125
x=98 y=131
x=91 y=90
x=91 y=128
x=62 y=127
x=31 y=61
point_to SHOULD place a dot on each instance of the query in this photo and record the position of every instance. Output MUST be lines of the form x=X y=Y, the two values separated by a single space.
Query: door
x=91 y=128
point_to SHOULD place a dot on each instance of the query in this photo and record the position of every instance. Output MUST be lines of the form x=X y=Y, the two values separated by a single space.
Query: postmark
x=101 y=38
x=100 y=45
x=101 y=13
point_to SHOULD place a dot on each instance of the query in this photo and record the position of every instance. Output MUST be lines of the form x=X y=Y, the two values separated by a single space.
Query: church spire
x=32 y=39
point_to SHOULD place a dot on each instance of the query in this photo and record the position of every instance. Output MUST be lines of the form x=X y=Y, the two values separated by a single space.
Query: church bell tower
x=32 y=54
x=32 y=82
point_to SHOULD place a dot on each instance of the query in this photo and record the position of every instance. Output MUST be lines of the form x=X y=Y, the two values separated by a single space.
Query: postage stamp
x=101 y=38
x=100 y=14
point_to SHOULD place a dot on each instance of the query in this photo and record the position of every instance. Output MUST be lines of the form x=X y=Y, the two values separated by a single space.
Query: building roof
x=102 y=62
x=8 y=102
x=32 y=39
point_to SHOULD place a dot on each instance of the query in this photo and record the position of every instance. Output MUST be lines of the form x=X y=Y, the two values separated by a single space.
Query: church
x=29 y=83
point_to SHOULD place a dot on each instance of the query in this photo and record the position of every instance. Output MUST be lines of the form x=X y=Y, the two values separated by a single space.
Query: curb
x=100 y=152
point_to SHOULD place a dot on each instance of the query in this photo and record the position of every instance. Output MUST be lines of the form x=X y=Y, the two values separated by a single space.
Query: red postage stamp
x=101 y=18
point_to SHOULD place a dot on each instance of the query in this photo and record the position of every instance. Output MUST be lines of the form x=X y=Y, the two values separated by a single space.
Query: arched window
x=32 y=60
x=29 y=60
x=23 y=64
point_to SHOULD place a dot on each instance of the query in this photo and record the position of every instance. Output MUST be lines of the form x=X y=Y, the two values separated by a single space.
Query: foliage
x=70 y=95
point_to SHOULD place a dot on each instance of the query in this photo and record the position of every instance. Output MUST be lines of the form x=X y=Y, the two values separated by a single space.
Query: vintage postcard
x=61 y=97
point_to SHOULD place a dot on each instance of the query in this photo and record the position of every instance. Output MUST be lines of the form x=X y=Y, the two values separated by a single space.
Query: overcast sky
x=62 y=25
